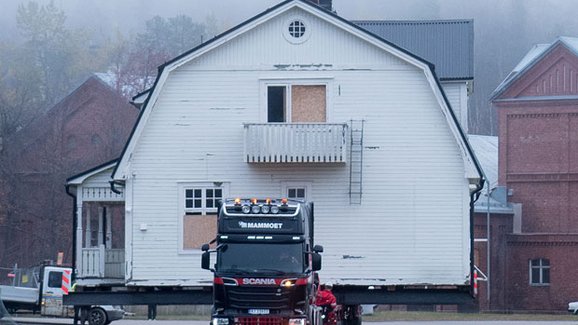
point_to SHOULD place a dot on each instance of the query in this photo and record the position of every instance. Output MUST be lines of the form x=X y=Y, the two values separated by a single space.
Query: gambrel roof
x=473 y=170
x=449 y=44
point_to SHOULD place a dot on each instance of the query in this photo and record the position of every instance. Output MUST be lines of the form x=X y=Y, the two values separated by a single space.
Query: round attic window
x=296 y=31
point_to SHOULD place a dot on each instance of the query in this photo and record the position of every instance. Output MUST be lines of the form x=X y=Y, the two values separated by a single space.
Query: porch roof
x=80 y=178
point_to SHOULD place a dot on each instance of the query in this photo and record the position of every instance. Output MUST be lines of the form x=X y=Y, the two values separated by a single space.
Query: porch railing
x=295 y=143
x=100 y=262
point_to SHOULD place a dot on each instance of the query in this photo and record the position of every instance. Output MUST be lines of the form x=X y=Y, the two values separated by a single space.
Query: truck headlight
x=296 y=321
x=221 y=321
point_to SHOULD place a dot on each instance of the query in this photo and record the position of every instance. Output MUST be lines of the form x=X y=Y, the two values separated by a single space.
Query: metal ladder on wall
x=356 y=161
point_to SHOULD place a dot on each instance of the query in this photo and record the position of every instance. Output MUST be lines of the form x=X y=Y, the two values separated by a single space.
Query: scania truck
x=264 y=263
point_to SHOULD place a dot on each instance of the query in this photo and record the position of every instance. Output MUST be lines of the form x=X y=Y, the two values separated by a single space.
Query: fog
x=504 y=29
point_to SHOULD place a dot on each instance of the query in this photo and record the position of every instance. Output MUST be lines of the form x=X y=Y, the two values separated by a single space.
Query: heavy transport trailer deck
x=345 y=294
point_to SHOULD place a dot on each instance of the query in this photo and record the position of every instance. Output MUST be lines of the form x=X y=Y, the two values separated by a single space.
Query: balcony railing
x=295 y=143
x=102 y=263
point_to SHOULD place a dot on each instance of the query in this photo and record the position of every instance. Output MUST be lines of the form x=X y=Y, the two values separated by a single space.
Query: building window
x=297 y=190
x=296 y=29
x=276 y=103
x=202 y=201
x=198 y=202
x=297 y=193
x=540 y=272
x=297 y=103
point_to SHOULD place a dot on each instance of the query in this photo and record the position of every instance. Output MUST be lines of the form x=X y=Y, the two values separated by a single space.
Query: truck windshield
x=269 y=258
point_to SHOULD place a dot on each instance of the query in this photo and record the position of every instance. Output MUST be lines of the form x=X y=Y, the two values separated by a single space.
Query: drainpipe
x=488 y=248
x=73 y=276
x=473 y=198
x=113 y=184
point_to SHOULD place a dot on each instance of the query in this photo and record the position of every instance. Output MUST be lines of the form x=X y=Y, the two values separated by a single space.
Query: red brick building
x=535 y=253
x=87 y=128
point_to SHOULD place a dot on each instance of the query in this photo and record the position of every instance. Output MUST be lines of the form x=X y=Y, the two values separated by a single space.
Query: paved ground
x=29 y=321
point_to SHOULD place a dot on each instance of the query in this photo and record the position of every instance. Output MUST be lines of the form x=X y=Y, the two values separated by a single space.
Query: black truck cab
x=265 y=262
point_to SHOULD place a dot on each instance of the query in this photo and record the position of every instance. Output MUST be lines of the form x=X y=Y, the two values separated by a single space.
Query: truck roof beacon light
x=261 y=207
x=265 y=209
x=274 y=209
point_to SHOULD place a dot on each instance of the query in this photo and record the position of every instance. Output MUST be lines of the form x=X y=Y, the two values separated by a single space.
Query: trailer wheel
x=97 y=316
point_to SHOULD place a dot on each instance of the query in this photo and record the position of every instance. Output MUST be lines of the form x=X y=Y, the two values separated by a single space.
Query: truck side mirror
x=318 y=249
x=315 y=261
x=206 y=260
x=205 y=247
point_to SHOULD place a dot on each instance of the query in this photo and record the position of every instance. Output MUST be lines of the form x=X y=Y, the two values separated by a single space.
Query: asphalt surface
x=30 y=321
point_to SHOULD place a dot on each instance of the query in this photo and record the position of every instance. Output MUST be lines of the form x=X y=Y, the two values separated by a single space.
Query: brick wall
x=538 y=155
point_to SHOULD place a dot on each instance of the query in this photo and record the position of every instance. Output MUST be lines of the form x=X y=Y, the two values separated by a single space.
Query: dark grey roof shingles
x=448 y=44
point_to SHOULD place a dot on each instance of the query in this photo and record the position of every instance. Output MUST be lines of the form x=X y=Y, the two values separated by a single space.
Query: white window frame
x=541 y=268
x=308 y=186
x=265 y=83
x=203 y=209
x=182 y=210
x=297 y=40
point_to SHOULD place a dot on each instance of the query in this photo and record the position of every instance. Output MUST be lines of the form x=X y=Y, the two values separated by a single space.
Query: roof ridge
x=415 y=21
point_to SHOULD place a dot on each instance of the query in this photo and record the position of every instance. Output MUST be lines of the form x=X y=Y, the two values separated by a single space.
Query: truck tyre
x=97 y=316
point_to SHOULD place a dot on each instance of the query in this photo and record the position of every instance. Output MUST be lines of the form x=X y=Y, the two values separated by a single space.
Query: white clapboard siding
x=457 y=94
x=413 y=224
x=266 y=48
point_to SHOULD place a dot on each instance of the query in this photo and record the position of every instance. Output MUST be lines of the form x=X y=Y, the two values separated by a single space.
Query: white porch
x=100 y=222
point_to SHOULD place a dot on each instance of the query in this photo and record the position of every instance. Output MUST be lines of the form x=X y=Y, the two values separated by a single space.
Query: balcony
x=295 y=143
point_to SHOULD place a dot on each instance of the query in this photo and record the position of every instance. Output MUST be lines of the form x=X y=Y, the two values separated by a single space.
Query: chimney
x=325 y=4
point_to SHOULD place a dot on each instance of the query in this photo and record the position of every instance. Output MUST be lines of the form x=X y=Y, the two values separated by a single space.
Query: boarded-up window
x=200 y=219
x=308 y=103
x=198 y=230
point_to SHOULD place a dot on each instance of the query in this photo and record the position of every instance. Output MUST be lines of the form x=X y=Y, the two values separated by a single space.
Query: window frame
x=54 y=279
x=265 y=83
x=203 y=209
x=287 y=185
x=304 y=22
x=192 y=212
x=541 y=272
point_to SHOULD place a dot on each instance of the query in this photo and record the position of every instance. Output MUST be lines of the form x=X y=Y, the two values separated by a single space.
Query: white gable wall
x=457 y=95
x=266 y=46
x=413 y=225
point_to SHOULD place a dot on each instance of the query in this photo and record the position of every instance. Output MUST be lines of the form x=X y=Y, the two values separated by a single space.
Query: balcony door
x=297 y=103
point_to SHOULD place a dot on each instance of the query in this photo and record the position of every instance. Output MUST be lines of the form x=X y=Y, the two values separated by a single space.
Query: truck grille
x=259 y=321
x=254 y=297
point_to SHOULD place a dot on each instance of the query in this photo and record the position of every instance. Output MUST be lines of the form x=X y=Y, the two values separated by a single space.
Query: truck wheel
x=97 y=316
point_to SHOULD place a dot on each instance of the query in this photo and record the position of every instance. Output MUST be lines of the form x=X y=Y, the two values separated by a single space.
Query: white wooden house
x=298 y=102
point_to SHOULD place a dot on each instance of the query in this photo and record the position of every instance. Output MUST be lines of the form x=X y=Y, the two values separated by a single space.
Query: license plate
x=259 y=311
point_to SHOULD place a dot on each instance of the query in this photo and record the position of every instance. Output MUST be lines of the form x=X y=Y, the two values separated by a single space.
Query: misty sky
x=504 y=29
x=130 y=15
